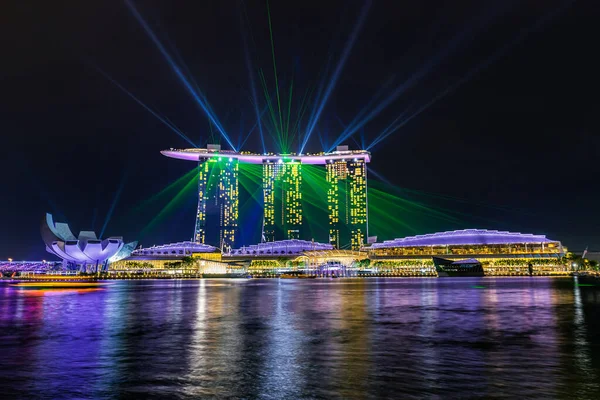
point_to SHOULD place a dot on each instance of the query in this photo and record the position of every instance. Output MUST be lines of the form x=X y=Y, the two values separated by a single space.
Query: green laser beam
x=274 y=65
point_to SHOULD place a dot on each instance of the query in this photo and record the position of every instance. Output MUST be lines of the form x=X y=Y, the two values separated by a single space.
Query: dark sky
x=519 y=134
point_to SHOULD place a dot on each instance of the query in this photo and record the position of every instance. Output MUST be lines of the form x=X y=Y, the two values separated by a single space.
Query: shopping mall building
x=498 y=252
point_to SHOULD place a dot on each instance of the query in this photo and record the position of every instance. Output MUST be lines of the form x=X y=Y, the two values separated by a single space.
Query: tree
x=188 y=262
x=282 y=261
x=572 y=260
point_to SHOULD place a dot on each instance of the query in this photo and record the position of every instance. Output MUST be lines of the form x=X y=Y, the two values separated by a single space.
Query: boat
x=584 y=278
x=58 y=285
x=57 y=282
x=297 y=276
x=451 y=268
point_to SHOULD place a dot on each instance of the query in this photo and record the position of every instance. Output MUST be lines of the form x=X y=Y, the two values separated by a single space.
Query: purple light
x=198 y=154
x=464 y=237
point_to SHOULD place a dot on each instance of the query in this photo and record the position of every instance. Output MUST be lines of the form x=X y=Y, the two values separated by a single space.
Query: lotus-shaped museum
x=85 y=251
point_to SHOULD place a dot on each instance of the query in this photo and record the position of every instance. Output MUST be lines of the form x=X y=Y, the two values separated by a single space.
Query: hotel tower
x=282 y=199
x=218 y=203
x=347 y=202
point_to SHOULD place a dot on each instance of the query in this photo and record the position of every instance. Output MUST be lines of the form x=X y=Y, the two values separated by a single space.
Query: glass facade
x=503 y=266
x=218 y=202
x=347 y=203
x=282 y=195
x=466 y=249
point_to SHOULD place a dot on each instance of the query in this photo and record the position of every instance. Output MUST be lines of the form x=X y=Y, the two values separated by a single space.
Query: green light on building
x=282 y=195
x=218 y=202
x=347 y=203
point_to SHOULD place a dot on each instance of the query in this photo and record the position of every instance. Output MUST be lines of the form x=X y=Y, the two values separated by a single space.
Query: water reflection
x=345 y=338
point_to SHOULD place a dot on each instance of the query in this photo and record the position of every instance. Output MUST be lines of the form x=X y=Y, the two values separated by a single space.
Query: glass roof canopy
x=465 y=237
x=173 y=248
x=291 y=246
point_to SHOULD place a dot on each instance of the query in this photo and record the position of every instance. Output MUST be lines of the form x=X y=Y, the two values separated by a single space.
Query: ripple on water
x=345 y=338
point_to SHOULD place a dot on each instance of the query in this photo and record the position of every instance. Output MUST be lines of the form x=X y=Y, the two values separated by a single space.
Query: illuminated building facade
x=500 y=252
x=218 y=201
x=282 y=195
x=283 y=218
x=167 y=259
x=347 y=202
x=85 y=252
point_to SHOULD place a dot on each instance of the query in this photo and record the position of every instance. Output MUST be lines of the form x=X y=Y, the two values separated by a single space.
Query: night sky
x=510 y=143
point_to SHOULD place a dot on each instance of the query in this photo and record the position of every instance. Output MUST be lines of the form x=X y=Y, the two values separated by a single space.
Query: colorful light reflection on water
x=355 y=338
x=54 y=291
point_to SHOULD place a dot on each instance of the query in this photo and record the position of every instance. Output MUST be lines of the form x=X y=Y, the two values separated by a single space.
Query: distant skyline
x=485 y=113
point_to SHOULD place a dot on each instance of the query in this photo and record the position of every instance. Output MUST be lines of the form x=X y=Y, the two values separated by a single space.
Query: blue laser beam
x=380 y=177
x=323 y=74
x=391 y=128
x=323 y=139
x=336 y=73
x=363 y=111
x=363 y=141
x=357 y=123
x=162 y=119
x=186 y=70
x=240 y=136
x=190 y=77
x=467 y=34
x=197 y=96
x=114 y=203
x=469 y=75
x=361 y=144
x=256 y=123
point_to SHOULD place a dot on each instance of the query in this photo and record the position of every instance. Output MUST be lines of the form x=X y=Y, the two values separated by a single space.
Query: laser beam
x=114 y=203
x=162 y=119
x=198 y=97
x=359 y=121
x=274 y=66
x=363 y=111
x=250 y=70
x=257 y=123
x=336 y=73
x=487 y=62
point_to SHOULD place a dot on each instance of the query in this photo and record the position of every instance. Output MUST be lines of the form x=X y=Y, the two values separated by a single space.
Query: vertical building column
x=358 y=203
x=282 y=200
x=199 y=227
x=229 y=201
x=270 y=171
x=347 y=202
x=292 y=196
x=334 y=171
x=218 y=202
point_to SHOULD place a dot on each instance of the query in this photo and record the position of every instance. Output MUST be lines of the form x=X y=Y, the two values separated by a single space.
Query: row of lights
x=343 y=160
